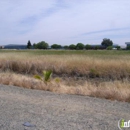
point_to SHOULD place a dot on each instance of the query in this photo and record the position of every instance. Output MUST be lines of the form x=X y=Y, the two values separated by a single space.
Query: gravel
x=26 y=109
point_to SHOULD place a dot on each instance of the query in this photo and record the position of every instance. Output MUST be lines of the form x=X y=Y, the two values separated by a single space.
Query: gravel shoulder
x=52 y=111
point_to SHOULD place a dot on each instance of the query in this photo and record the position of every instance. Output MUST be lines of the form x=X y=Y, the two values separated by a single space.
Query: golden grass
x=112 y=73
x=70 y=65
x=116 y=90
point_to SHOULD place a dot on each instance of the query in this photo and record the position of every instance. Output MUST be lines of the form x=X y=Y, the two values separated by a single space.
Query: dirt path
x=50 y=111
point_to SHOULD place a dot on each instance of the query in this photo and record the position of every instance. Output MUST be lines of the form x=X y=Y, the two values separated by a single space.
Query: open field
x=97 y=73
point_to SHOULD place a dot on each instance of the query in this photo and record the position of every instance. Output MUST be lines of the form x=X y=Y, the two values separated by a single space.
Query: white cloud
x=64 y=21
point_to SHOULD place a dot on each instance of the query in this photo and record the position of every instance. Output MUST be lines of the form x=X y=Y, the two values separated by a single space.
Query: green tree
x=55 y=46
x=42 y=45
x=97 y=47
x=66 y=47
x=109 y=48
x=29 y=44
x=87 y=47
x=34 y=45
x=106 y=42
x=118 y=47
x=80 y=46
x=72 y=46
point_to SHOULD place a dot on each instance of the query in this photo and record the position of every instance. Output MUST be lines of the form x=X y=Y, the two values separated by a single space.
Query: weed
x=46 y=76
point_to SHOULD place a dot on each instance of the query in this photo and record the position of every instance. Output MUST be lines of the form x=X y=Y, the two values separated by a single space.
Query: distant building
x=95 y=47
x=127 y=45
x=15 y=47
x=102 y=47
x=1 y=47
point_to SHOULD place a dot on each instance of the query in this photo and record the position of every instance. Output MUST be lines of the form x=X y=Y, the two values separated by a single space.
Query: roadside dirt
x=52 y=111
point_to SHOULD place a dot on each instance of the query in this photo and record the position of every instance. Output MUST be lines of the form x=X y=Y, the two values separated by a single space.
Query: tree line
x=105 y=44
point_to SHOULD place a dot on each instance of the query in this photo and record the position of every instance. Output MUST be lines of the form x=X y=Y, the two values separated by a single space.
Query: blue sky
x=64 y=21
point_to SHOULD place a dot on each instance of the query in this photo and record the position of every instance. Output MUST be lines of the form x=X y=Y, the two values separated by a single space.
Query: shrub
x=109 y=48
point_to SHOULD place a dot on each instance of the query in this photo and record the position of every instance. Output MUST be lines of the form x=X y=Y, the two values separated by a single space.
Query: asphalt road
x=25 y=109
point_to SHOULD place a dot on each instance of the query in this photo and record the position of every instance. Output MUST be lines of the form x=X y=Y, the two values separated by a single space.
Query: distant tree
x=109 y=48
x=72 y=46
x=42 y=45
x=29 y=44
x=106 y=42
x=66 y=47
x=87 y=47
x=80 y=46
x=118 y=47
x=102 y=47
x=96 y=47
x=34 y=45
x=55 y=46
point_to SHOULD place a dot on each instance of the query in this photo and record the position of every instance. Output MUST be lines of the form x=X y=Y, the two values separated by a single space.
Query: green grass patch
x=70 y=52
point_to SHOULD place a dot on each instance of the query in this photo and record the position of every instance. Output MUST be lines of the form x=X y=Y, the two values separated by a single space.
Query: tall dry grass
x=116 y=90
x=99 y=76
x=68 y=65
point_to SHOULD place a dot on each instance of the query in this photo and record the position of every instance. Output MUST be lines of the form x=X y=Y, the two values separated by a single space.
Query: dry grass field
x=100 y=73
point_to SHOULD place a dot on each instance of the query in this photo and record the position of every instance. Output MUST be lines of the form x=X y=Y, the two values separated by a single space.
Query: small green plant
x=46 y=76
x=57 y=80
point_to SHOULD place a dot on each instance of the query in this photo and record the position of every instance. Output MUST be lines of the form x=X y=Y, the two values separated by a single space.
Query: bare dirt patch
x=51 y=111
